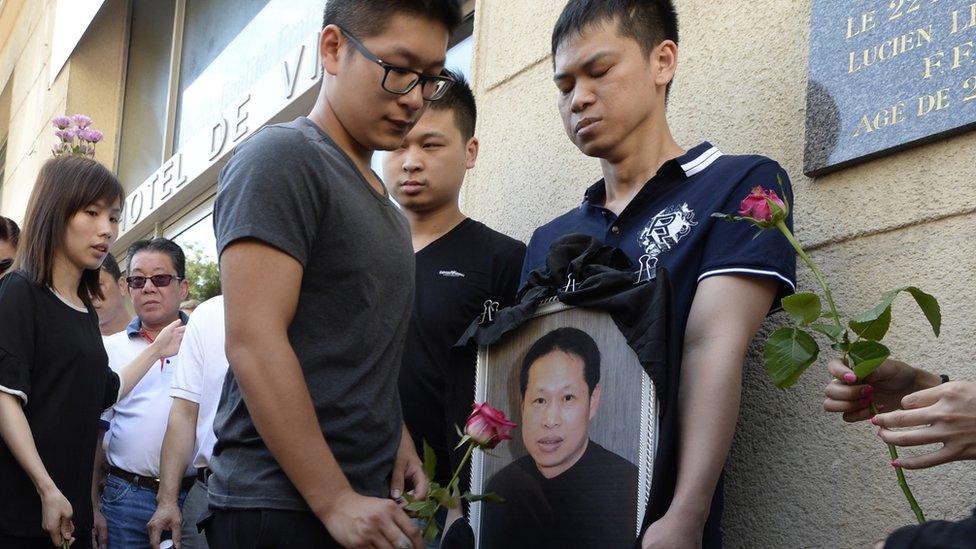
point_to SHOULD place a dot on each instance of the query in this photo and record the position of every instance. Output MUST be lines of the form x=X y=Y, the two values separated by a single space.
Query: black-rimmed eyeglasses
x=401 y=80
x=5 y=264
x=159 y=281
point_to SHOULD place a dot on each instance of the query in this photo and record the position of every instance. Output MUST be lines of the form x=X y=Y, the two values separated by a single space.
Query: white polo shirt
x=137 y=423
x=200 y=371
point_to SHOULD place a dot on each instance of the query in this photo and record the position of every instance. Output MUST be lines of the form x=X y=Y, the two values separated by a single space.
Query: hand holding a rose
x=872 y=381
x=485 y=428
x=941 y=412
x=885 y=387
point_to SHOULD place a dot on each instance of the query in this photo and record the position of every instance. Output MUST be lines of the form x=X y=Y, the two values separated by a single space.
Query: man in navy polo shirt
x=614 y=62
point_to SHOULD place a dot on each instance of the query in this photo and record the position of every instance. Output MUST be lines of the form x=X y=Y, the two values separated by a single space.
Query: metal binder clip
x=491 y=307
x=646 y=272
x=570 y=284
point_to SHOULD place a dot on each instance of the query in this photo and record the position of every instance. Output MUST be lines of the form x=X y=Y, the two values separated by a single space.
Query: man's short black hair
x=162 y=245
x=460 y=100
x=648 y=22
x=571 y=341
x=111 y=266
x=365 y=18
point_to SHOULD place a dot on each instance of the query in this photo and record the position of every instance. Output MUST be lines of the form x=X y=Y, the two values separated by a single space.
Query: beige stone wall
x=796 y=478
x=90 y=83
x=24 y=60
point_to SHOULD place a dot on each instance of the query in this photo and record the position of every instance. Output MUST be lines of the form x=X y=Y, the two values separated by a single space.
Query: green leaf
x=873 y=330
x=442 y=496
x=930 y=308
x=430 y=461
x=416 y=506
x=430 y=531
x=788 y=353
x=866 y=356
x=926 y=302
x=491 y=498
x=464 y=440
x=804 y=307
x=833 y=331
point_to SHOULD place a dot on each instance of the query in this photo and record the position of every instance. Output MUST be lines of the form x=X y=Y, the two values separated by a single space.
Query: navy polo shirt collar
x=694 y=161
x=134 y=328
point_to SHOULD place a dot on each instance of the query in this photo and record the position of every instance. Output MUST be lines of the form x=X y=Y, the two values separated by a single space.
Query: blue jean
x=127 y=509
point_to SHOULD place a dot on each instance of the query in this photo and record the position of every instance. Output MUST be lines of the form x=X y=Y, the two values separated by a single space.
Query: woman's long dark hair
x=65 y=185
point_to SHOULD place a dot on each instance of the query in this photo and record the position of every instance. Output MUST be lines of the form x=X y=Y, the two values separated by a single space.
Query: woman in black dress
x=54 y=374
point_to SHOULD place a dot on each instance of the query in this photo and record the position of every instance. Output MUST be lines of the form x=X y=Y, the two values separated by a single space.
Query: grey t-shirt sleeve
x=267 y=191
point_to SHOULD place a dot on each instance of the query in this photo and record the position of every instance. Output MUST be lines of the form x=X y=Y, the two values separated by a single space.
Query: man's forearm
x=708 y=408
x=281 y=408
x=725 y=316
x=178 y=444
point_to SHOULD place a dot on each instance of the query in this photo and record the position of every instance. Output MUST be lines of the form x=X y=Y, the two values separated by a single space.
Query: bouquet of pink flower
x=789 y=351
x=485 y=428
x=72 y=128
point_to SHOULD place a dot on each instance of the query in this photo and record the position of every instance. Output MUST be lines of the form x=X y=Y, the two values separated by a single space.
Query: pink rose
x=756 y=205
x=488 y=426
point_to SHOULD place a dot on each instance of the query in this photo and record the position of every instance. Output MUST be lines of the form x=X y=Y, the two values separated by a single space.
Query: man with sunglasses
x=156 y=284
x=317 y=270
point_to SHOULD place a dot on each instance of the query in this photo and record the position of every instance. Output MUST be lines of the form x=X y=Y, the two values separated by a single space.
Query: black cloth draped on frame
x=583 y=272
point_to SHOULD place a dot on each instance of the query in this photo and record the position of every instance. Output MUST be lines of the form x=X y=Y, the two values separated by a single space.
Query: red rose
x=488 y=426
x=757 y=205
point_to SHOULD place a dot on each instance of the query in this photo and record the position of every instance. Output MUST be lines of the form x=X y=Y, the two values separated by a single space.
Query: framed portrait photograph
x=577 y=472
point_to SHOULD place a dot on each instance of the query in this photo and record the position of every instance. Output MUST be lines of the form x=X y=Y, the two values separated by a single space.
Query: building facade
x=174 y=85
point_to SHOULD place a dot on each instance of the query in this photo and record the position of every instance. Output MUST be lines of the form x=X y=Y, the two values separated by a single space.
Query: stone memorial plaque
x=886 y=75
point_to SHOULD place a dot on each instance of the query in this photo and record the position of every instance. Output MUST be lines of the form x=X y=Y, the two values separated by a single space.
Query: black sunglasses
x=401 y=80
x=159 y=281
x=5 y=264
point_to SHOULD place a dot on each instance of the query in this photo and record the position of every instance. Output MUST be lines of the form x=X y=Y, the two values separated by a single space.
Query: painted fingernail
x=850 y=377
x=896 y=463
x=881 y=407
x=874 y=420
x=867 y=391
x=395 y=494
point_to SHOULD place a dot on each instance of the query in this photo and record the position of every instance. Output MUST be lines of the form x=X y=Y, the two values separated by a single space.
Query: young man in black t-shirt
x=460 y=265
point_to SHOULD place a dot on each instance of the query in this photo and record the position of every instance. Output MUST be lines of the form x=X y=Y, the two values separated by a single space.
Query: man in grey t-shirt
x=317 y=272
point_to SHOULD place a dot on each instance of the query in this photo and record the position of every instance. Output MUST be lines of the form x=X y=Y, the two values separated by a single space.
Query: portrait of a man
x=567 y=491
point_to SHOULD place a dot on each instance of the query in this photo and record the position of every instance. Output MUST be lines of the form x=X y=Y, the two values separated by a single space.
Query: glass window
x=146 y=87
x=227 y=46
x=200 y=247
x=459 y=57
